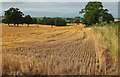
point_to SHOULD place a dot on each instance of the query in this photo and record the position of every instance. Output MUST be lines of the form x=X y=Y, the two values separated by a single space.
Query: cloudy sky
x=37 y=8
x=57 y=0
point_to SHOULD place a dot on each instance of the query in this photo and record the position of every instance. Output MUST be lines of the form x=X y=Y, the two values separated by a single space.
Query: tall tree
x=13 y=15
x=93 y=12
x=28 y=20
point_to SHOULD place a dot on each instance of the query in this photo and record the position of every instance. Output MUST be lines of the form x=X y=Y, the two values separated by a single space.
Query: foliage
x=39 y=21
x=70 y=21
x=73 y=20
x=28 y=20
x=48 y=21
x=107 y=17
x=53 y=21
x=77 y=19
x=102 y=23
x=13 y=15
x=60 y=22
x=34 y=20
x=93 y=12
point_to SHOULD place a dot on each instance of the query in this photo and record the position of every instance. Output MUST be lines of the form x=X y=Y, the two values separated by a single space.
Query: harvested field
x=46 y=50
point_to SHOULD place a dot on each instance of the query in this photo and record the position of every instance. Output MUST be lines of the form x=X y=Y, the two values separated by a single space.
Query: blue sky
x=54 y=9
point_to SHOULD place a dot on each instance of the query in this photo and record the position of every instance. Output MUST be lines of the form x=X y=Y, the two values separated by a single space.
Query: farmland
x=50 y=50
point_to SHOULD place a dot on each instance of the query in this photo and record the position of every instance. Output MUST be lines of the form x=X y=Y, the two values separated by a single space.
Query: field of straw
x=46 y=50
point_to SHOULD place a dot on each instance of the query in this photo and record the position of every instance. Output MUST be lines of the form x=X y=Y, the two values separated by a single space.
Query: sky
x=57 y=0
x=55 y=9
x=119 y=9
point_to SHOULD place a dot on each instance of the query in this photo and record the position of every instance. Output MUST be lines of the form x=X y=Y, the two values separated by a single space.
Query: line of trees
x=93 y=13
x=16 y=17
x=77 y=20
x=53 y=21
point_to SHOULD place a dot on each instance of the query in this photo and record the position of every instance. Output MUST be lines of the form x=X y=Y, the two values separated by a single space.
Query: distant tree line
x=93 y=14
x=16 y=17
x=53 y=21
x=77 y=20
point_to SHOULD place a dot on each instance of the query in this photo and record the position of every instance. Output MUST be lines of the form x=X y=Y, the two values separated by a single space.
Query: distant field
x=46 y=50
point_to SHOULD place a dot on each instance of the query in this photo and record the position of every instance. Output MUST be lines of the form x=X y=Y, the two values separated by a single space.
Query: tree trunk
x=15 y=25
x=18 y=25
x=28 y=25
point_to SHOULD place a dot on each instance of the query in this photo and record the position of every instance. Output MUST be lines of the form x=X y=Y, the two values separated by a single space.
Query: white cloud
x=57 y=0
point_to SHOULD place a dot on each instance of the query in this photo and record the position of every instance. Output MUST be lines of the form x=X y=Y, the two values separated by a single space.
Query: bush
x=69 y=21
x=77 y=21
x=39 y=21
x=48 y=21
x=60 y=22
x=34 y=20
x=53 y=21
x=102 y=23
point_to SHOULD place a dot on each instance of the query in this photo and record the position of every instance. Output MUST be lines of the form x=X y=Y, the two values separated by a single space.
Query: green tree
x=13 y=15
x=107 y=17
x=59 y=22
x=77 y=20
x=28 y=20
x=22 y=20
x=35 y=21
x=48 y=21
x=39 y=21
x=93 y=11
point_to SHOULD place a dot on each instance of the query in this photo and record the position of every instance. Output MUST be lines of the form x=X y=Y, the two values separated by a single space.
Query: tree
x=53 y=21
x=34 y=20
x=93 y=12
x=48 y=21
x=5 y=21
x=28 y=20
x=13 y=15
x=60 y=22
x=77 y=20
x=107 y=17
x=39 y=21
x=22 y=20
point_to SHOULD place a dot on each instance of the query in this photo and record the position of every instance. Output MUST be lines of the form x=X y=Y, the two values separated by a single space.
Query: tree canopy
x=13 y=15
x=93 y=11
x=28 y=20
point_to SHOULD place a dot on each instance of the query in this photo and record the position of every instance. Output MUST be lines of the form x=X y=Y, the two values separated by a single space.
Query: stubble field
x=46 y=50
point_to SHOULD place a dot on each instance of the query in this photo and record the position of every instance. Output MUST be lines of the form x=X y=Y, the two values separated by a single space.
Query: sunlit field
x=50 y=50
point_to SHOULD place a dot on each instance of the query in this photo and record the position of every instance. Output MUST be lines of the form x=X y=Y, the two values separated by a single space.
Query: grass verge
x=109 y=37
